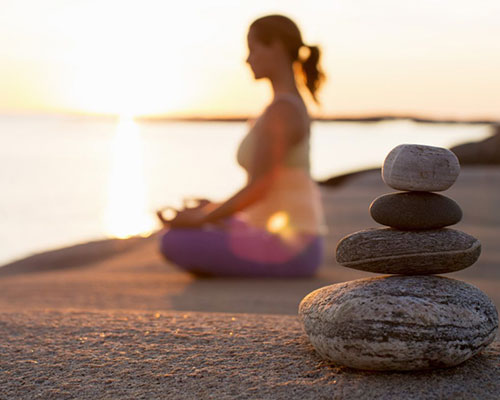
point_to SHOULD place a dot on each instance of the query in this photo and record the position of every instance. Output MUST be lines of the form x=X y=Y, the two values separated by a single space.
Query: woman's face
x=260 y=56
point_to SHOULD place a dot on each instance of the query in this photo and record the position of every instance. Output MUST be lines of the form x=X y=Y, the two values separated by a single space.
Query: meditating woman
x=273 y=226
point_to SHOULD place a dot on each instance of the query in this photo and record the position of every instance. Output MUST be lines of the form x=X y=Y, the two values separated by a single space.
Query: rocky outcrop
x=485 y=152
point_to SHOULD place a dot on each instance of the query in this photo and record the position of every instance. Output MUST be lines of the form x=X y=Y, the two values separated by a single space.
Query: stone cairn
x=413 y=320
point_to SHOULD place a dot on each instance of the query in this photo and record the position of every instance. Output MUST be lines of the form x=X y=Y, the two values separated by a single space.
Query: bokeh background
x=112 y=109
x=151 y=57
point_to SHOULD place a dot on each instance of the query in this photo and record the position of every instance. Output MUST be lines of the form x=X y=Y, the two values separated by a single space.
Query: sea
x=68 y=179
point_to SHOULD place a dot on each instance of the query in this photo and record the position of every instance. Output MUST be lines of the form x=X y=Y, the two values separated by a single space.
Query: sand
x=111 y=319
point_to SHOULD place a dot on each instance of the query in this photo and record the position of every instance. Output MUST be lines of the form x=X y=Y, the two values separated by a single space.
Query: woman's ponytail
x=283 y=29
x=313 y=76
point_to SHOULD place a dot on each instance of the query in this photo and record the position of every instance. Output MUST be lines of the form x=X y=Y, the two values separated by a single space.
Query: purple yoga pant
x=240 y=250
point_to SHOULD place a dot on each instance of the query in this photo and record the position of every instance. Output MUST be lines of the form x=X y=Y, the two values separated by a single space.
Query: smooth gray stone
x=399 y=322
x=415 y=210
x=391 y=251
x=417 y=167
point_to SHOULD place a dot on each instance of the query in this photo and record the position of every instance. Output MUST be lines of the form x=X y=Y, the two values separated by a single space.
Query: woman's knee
x=171 y=244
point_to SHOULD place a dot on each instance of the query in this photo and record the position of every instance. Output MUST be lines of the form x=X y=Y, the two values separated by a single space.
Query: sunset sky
x=436 y=58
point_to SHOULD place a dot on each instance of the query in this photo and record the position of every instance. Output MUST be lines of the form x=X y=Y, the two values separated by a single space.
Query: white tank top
x=293 y=203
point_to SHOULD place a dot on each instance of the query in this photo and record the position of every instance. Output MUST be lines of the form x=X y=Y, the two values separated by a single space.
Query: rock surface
x=484 y=152
x=416 y=167
x=415 y=210
x=391 y=251
x=172 y=355
x=82 y=292
x=399 y=322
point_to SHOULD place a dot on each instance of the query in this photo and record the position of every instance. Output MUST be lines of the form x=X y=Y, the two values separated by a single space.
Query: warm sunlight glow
x=437 y=58
x=126 y=213
x=278 y=222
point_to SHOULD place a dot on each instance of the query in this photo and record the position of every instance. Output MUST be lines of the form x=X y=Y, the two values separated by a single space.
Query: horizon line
x=375 y=117
x=345 y=118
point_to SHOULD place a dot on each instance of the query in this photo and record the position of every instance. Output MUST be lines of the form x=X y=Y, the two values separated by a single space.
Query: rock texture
x=392 y=251
x=415 y=167
x=172 y=355
x=399 y=322
x=415 y=210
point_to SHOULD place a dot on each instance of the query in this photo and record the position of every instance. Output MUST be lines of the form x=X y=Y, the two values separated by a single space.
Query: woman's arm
x=280 y=129
x=254 y=191
x=194 y=217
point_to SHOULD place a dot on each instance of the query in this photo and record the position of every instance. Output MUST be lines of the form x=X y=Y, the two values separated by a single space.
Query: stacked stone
x=413 y=320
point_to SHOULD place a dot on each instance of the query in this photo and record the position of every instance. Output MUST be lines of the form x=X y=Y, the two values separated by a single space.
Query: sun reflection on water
x=126 y=213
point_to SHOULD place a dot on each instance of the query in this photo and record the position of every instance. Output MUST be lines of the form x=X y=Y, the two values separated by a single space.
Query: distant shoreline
x=244 y=118
x=368 y=119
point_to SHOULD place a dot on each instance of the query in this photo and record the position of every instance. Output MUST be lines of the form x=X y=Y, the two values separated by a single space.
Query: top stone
x=420 y=168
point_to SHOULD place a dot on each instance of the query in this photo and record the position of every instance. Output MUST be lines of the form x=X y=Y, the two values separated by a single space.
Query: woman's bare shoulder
x=285 y=115
x=286 y=108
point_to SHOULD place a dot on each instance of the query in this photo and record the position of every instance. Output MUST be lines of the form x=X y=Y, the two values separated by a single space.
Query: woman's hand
x=166 y=215
x=195 y=203
x=189 y=218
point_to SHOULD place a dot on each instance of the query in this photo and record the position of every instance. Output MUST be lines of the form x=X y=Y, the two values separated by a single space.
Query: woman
x=273 y=226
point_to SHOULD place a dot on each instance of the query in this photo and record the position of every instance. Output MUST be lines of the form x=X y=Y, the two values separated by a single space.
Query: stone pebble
x=399 y=322
x=415 y=167
x=391 y=251
x=415 y=210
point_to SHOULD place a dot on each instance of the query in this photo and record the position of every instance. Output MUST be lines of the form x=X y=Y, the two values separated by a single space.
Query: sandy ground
x=111 y=319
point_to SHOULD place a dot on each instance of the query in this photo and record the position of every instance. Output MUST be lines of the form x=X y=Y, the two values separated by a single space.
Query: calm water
x=66 y=180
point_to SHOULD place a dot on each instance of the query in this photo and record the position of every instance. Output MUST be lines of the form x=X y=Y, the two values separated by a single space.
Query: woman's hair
x=278 y=27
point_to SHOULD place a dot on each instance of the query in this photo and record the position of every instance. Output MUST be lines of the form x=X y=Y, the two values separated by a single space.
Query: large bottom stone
x=390 y=251
x=399 y=322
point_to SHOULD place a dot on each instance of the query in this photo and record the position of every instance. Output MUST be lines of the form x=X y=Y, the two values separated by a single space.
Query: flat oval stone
x=417 y=167
x=399 y=322
x=391 y=251
x=415 y=210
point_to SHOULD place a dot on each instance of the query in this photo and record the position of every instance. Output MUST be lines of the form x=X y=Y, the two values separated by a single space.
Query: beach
x=112 y=319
